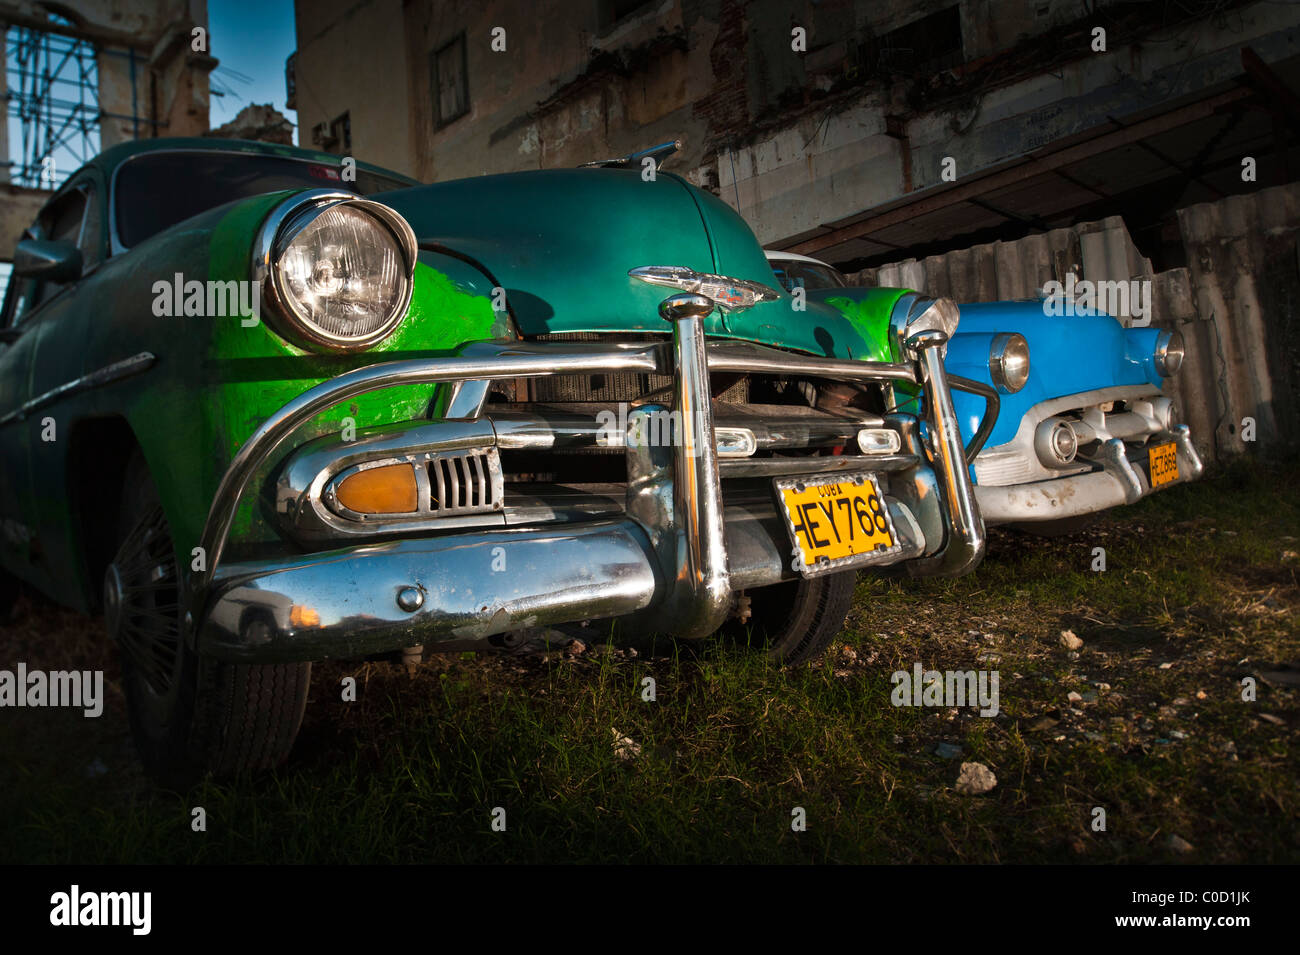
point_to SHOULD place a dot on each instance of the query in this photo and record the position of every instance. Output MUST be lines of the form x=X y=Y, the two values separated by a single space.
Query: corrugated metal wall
x=1245 y=286
x=1236 y=303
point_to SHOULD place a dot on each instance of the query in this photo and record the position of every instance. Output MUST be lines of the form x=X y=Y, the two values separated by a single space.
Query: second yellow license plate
x=836 y=521
x=1163 y=459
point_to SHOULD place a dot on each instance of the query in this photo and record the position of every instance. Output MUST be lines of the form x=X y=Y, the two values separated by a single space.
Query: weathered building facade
x=979 y=118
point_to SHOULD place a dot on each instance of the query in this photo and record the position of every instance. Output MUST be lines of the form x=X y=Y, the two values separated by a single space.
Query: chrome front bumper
x=1124 y=477
x=669 y=564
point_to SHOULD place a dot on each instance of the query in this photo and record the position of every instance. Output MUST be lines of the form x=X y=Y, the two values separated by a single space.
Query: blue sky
x=251 y=39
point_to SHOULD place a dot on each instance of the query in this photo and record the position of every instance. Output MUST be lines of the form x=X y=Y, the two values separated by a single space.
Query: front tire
x=190 y=715
x=794 y=622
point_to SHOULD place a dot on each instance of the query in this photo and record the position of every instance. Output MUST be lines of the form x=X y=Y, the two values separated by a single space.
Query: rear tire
x=794 y=622
x=190 y=715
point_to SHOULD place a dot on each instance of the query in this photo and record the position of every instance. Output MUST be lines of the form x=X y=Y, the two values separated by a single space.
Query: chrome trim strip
x=546 y=429
x=103 y=376
x=729 y=355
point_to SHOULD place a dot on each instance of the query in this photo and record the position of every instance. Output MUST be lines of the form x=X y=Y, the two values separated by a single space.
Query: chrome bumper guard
x=670 y=564
x=1124 y=478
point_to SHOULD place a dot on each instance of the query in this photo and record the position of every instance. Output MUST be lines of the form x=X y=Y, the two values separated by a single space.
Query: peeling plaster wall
x=822 y=168
x=807 y=145
x=546 y=101
x=351 y=59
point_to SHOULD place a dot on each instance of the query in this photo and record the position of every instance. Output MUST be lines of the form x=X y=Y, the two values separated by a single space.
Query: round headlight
x=1169 y=352
x=338 y=270
x=1009 y=362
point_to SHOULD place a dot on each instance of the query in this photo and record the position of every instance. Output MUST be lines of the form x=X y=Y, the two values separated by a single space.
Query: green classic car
x=263 y=407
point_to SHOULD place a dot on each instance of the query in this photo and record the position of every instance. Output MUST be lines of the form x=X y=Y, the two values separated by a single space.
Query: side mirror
x=51 y=260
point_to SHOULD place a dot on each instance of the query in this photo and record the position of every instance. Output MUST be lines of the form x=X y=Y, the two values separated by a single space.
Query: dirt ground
x=1120 y=690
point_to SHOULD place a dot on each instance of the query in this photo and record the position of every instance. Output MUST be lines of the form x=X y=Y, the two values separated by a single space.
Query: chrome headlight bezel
x=284 y=223
x=923 y=314
x=1169 y=352
x=1009 y=362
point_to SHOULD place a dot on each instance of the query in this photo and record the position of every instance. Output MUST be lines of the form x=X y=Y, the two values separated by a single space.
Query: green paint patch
x=443 y=315
x=870 y=314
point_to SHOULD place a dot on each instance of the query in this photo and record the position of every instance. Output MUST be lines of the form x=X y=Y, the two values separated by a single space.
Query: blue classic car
x=1080 y=428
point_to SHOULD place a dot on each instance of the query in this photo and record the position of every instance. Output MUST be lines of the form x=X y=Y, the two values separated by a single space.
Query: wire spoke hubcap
x=142 y=602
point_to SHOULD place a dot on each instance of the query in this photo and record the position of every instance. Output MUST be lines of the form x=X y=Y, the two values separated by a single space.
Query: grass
x=1200 y=591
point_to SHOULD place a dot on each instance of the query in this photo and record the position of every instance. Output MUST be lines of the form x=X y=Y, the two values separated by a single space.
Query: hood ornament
x=631 y=160
x=727 y=293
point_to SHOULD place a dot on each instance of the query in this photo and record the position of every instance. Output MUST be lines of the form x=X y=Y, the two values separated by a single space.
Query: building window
x=920 y=48
x=612 y=11
x=450 y=81
x=335 y=136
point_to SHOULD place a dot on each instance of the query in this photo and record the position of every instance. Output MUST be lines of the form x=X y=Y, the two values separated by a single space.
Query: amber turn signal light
x=389 y=489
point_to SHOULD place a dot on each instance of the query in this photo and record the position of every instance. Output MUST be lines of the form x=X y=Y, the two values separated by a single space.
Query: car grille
x=461 y=482
x=615 y=388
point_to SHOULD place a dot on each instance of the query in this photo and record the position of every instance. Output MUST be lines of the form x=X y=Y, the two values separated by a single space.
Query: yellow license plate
x=836 y=521
x=1164 y=465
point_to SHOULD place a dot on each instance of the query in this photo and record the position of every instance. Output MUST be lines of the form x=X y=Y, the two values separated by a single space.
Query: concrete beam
x=1035 y=164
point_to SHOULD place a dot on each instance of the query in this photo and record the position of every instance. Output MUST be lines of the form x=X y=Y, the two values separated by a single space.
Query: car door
x=41 y=354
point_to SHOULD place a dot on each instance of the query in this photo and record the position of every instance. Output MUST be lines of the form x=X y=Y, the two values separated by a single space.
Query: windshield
x=808 y=275
x=155 y=191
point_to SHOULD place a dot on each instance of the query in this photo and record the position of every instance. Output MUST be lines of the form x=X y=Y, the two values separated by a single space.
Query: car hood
x=561 y=243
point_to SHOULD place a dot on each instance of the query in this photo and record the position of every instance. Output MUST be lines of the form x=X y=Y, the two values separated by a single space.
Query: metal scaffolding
x=53 y=103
